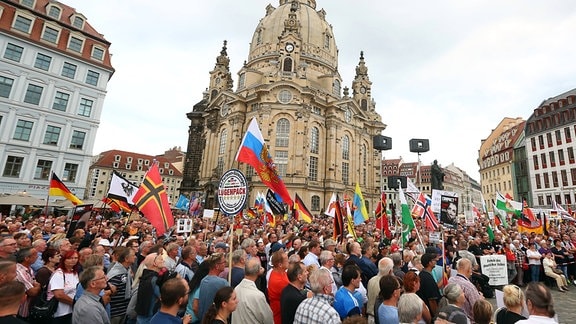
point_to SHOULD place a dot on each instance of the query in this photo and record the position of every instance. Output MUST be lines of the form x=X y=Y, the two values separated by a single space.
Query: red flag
x=527 y=211
x=338 y=220
x=152 y=201
x=381 y=217
x=422 y=208
x=300 y=211
x=476 y=211
x=117 y=205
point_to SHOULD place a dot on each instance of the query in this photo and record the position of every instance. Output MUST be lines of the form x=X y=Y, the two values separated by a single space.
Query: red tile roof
x=107 y=159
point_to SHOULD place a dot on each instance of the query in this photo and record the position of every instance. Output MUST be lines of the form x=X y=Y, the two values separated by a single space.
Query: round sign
x=232 y=192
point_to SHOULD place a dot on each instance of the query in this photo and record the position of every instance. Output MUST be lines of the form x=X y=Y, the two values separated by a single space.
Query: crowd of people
x=117 y=271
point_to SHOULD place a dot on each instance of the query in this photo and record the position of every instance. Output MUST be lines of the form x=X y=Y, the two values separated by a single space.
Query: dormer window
x=75 y=44
x=129 y=159
x=171 y=172
x=166 y=165
x=117 y=157
x=23 y=23
x=78 y=22
x=97 y=53
x=54 y=11
x=28 y=3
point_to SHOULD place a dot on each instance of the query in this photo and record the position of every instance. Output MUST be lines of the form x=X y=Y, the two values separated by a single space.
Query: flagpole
x=230 y=251
x=48 y=195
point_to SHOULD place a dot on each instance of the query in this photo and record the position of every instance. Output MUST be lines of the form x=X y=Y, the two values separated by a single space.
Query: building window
x=85 y=108
x=70 y=172
x=54 y=12
x=315 y=203
x=281 y=162
x=564 y=177
x=50 y=34
x=42 y=62
x=77 y=141
x=567 y=134
x=23 y=130
x=552 y=159
x=285 y=96
x=549 y=139
x=117 y=157
x=92 y=77
x=555 y=179
x=314 y=140
x=546 y=180
x=223 y=141
x=13 y=166
x=573 y=174
x=52 y=135
x=22 y=24
x=364 y=104
x=287 y=66
x=345 y=172
x=78 y=22
x=570 y=155
x=541 y=141
x=33 y=94
x=69 y=70
x=533 y=142
x=282 y=133
x=241 y=80
x=13 y=52
x=220 y=166
x=540 y=200
x=97 y=53
x=345 y=147
x=364 y=155
x=561 y=157
x=336 y=88
x=543 y=158
x=5 y=86
x=558 y=137
x=60 y=101
x=313 y=169
x=43 y=169
x=75 y=44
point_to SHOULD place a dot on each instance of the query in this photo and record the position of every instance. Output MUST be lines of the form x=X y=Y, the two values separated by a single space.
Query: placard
x=494 y=266
x=208 y=213
x=434 y=237
x=449 y=211
x=469 y=218
x=184 y=226
x=232 y=192
x=436 y=199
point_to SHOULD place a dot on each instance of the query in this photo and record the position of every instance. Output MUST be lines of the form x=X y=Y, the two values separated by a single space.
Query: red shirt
x=278 y=281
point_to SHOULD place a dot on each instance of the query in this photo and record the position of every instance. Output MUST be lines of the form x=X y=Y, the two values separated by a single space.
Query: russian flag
x=254 y=152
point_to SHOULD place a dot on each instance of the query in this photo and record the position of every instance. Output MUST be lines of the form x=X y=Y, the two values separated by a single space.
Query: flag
x=268 y=214
x=500 y=217
x=381 y=217
x=411 y=189
x=490 y=232
x=336 y=209
x=254 y=152
x=476 y=211
x=252 y=213
x=276 y=207
x=561 y=211
x=330 y=209
x=527 y=212
x=183 y=203
x=300 y=211
x=484 y=208
x=407 y=221
x=121 y=189
x=429 y=218
x=508 y=205
x=194 y=205
x=349 y=221
x=117 y=205
x=360 y=212
x=58 y=188
x=152 y=201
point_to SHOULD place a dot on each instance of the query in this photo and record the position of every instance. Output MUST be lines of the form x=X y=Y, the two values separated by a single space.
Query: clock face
x=362 y=90
x=289 y=47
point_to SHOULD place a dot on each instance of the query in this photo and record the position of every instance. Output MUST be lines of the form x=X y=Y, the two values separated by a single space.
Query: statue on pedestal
x=437 y=176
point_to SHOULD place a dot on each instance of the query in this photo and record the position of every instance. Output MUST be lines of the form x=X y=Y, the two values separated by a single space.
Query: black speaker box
x=419 y=145
x=393 y=182
x=382 y=143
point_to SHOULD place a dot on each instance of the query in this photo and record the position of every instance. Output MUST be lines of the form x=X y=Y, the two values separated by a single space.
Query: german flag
x=58 y=188
x=300 y=211
x=338 y=220
x=152 y=201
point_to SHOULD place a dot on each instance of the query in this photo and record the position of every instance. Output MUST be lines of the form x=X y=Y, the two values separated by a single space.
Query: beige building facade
x=319 y=132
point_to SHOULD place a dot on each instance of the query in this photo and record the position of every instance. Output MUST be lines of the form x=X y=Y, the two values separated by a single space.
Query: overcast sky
x=445 y=70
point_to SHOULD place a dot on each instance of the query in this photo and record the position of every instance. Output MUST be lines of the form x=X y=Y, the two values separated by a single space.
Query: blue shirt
x=165 y=318
x=346 y=303
x=388 y=314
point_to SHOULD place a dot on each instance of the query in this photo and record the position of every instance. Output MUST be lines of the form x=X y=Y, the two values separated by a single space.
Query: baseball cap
x=221 y=245
x=276 y=247
x=104 y=242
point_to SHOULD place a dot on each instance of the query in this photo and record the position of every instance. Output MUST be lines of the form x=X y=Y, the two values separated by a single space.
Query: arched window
x=345 y=147
x=336 y=87
x=213 y=94
x=287 y=66
x=364 y=104
x=223 y=141
x=282 y=133
x=314 y=138
x=315 y=203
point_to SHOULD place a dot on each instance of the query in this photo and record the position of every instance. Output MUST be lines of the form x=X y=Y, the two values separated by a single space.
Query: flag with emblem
x=407 y=221
x=152 y=201
x=381 y=217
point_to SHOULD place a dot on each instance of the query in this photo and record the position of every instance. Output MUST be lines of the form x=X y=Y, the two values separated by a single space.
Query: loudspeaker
x=393 y=182
x=382 y=143
x=419 y=145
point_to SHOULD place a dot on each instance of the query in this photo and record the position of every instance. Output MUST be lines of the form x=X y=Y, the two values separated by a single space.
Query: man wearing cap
x=429 y=291
x=220 y=247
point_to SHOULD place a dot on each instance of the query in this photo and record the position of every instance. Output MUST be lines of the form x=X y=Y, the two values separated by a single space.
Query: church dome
x=298 y=21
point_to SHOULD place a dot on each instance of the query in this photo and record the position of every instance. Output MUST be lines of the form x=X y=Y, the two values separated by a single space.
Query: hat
x=432 y=249
x=349 y=236
x=221 y=245
x=276 y=247
x=382 y=245
x=104 y=242
x=329 y=242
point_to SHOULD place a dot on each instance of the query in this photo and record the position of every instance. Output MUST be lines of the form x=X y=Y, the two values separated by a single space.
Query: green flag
x=490 y=232
x=407 y=221
x=508 y=205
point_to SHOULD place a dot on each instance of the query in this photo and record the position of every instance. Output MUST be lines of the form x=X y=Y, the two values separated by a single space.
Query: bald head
x=464 y=266
x=385 y=266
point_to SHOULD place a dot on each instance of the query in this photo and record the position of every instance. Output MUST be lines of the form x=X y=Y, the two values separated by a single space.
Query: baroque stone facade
x=319 y=134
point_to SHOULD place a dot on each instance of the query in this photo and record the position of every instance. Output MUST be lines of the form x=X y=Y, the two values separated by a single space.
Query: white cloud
x=446 y=70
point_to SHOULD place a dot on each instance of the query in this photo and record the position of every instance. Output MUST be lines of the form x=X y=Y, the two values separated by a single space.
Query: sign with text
x=437 y=197
x=184 y=226
x=494 y=266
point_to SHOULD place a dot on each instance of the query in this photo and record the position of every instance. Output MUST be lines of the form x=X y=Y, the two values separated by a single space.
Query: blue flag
x=183 y=203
